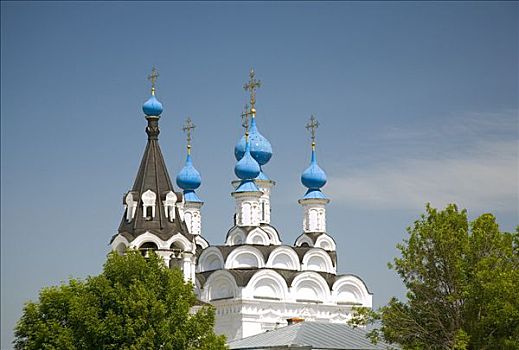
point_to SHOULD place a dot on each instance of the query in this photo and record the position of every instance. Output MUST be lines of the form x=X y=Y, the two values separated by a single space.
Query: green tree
x=135 y=303
x=462 y=281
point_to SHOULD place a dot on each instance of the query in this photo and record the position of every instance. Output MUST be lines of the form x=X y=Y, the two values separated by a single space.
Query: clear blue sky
x=417 y=102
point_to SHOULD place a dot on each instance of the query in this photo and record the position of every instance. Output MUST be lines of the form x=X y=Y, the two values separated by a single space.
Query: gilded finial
x=188 y=129
x=251 y=86
x=153 y=77
x=311 y=126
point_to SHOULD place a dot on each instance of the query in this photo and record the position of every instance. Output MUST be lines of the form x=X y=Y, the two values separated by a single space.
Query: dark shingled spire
x=153 y=176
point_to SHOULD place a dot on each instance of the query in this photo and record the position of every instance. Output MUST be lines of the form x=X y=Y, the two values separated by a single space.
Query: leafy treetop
x=461 y=279
x=135 y=303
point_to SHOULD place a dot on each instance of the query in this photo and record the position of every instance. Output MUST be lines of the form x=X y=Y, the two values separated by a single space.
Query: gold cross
x=188 y=128
x=251 y=86
x=153 y=77
x=311 y=126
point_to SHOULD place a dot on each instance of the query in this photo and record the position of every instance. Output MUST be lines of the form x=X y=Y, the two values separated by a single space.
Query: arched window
x=313 y=217
x=246 y=214
x=177 y=248
x=146 y=247
x=148 y=202
x=177 y=245
x=169 y=205
x=188 y=218
x=131 y=206
x=320 y=221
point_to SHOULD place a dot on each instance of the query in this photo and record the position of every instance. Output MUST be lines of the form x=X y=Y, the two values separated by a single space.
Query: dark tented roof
x=152 y=175
x=311 y=335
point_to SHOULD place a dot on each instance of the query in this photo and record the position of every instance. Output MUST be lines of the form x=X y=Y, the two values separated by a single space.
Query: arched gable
x=284 y=258
x=120 y=244
x=302 y=240
x=266 y=284
x=258 y=236
x=310 y=286
x=201 y=242
x=244 y=257
x=149 y=237
x=317 y=259
x=179 y=241
x=220 y=285
x=273 y=234
x=350 y=289
x=236 y=236
x=210 y=259
x=326 y=242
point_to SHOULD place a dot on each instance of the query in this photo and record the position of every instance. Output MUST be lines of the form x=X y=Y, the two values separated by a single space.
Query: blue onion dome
x=152 y=107
x=189 y=178
x=247 y=167
x=313 y=177
x=260 y=147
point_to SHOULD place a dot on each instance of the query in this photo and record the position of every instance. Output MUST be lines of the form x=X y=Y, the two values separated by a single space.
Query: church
x=254 y=280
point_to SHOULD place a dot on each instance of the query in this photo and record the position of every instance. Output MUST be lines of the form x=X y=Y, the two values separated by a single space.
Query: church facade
x=254 y=281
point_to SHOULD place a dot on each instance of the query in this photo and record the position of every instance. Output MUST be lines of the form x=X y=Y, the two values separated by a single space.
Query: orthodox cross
x=311 y=126
x=245 y=118
x=251 y=86
x=153 y=77
x=188 y=128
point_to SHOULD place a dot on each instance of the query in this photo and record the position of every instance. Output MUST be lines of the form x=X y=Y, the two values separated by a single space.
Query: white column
x=187 y=266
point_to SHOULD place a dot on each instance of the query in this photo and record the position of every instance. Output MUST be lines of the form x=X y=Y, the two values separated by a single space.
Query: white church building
x=254 y=280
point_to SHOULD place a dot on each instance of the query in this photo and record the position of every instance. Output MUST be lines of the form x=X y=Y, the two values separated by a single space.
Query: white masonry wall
x=314 y=217
x=193 y=217
x=247 y=209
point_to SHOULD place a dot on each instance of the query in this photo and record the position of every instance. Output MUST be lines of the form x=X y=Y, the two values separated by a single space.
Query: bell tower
x=152 y=217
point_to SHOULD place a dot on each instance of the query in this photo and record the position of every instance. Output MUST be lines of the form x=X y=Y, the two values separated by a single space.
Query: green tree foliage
x=462 y=281
x=135 y=303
